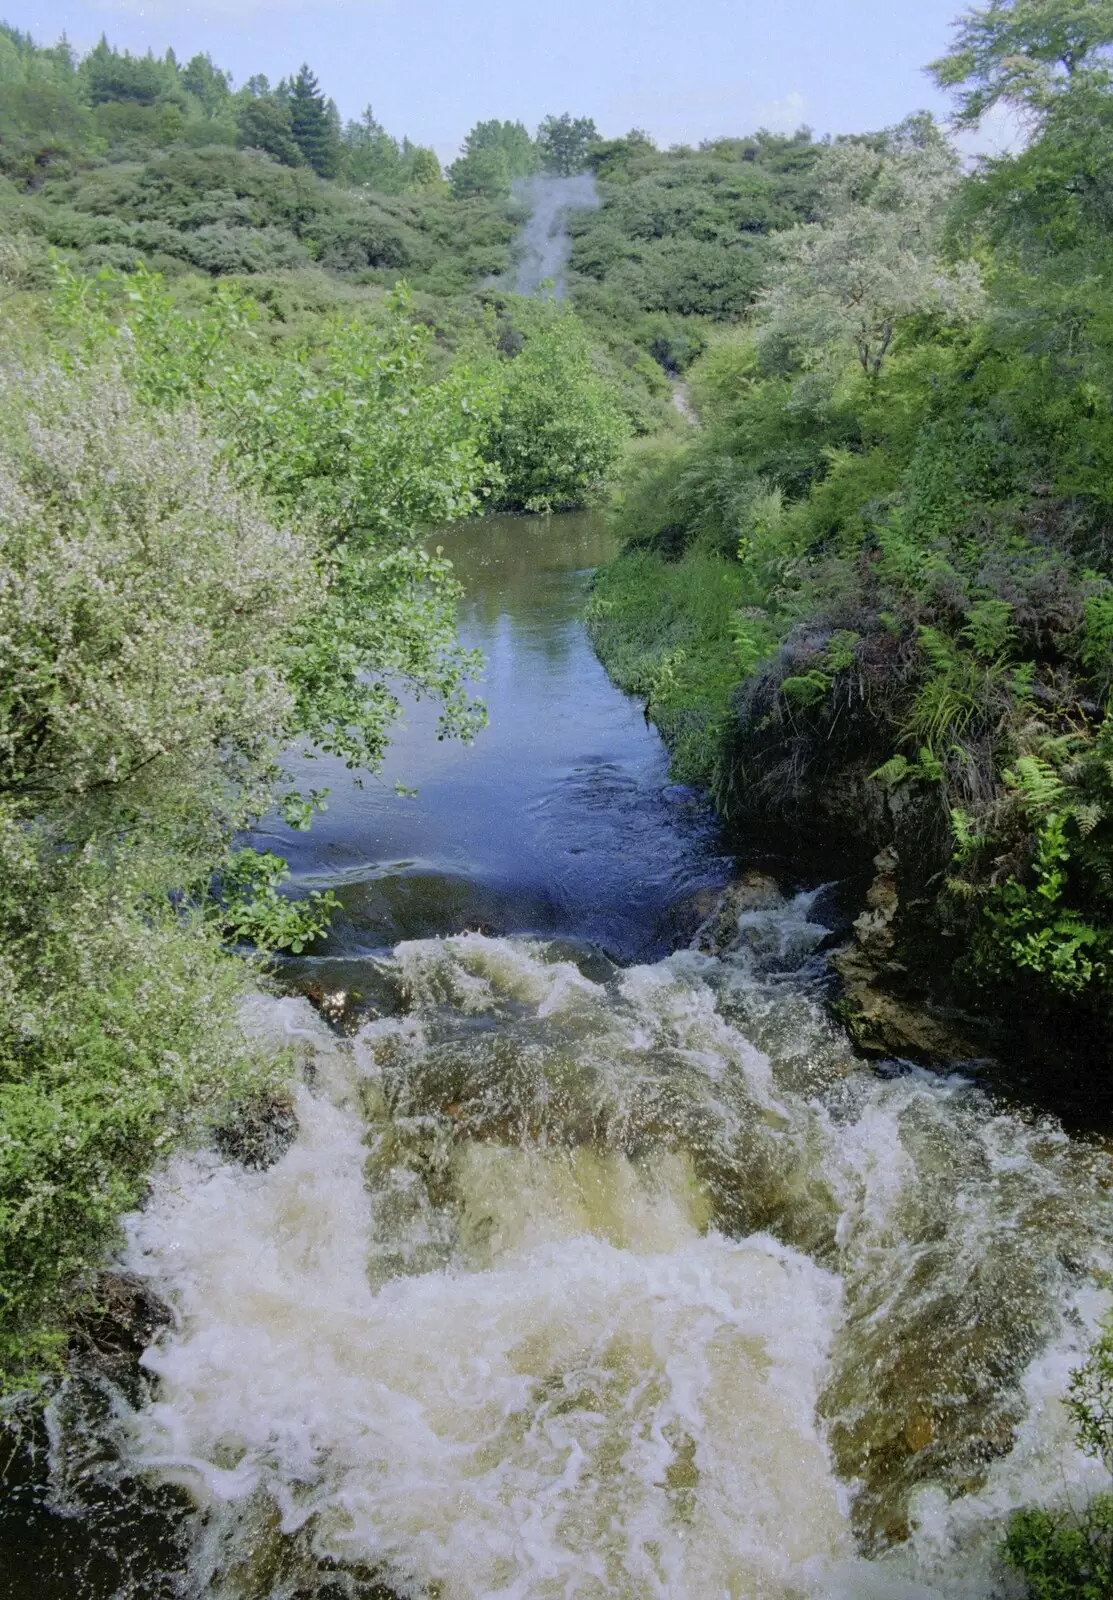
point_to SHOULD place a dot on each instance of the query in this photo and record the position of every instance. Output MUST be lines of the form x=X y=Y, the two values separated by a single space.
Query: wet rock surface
x=260 y=1130
x=123 y=1317
x=877 y=1004
x=720 y=931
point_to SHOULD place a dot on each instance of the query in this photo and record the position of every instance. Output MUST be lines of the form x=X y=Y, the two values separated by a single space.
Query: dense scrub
x=876 y=590
x=212 y=550
x=679 y=245
x=682 y=231
x=219 y=210
x=191 y=581
x=116 y=160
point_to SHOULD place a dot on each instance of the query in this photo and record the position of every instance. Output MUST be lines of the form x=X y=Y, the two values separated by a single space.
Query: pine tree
x=314 y=130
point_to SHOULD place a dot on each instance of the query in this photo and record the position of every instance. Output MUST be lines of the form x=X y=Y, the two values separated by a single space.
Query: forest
x=250 y=353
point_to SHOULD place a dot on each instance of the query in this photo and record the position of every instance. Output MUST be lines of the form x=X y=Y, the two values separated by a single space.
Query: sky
x=684 y=70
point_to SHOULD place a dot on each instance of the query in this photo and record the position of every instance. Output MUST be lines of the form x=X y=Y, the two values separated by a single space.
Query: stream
x=600 y=1265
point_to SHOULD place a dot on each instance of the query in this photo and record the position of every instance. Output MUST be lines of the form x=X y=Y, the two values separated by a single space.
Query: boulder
x=751 y=891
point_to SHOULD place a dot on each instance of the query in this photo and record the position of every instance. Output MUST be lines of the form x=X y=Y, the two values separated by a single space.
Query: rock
x=260 y=1130
x=881 y=1023
x=343 y=1009
x=122 y=1318
x=874 y=931
x=879 y=1019
x=751 y=891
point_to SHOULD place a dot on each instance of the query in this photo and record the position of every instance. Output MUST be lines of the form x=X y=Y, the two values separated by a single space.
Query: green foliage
x=1024 y=52
x=1030 y=926
x=149 y=614
x=484 y=172
x=208 y=551
x=557 y=431
x=947 y=506
x=563 y=143
x=313 y=126
x=683 y=232
x=669 y=631
x=264 y=122
x=219 y=210
x=354 y=435
x=493 y=155
x=118 y=1036
x=1068 y=1554
x=1064 y=1555
x=249 y=905
x=1090 y=1402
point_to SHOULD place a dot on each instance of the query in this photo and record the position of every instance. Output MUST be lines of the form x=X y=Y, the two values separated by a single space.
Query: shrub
x=558 y=432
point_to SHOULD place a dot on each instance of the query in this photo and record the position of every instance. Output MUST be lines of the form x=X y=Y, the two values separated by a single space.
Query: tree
x=611 y=159
x=263 y=123
x=108 y=75
x=564 y=143
x=370 y=157
x=208 y=84
x=313 y=125
x=484 y=171
x=425 y=169
x=1023 y=52
x=847 y=280
x=522 y=154
x=558 y=431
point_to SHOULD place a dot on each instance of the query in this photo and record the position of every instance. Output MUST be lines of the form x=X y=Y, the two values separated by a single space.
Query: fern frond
x=1087 y=814
x=1036 y=782
x=892 y=772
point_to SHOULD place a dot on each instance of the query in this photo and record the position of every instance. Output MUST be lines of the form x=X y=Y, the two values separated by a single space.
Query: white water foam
x=492 y=1327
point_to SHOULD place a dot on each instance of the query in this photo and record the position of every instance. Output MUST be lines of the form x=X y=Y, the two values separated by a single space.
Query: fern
x=893 y=771
x=806 y=690
x=990 y=628
x=968 y=838
x=1087 y=814
x=1037 y=784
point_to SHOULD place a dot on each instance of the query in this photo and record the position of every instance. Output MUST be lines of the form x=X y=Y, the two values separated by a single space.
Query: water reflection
x=559 y=819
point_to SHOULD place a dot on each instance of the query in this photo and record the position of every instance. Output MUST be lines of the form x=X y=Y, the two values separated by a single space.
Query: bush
x=147 y=608
x=118 y=1036
x=558 y=431
x=1064 y=1555
x=196 y=567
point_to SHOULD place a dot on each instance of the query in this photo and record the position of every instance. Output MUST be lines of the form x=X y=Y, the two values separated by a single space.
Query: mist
x=545 y=243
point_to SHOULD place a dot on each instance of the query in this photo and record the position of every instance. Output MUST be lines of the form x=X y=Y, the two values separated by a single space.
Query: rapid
x=600 y=1266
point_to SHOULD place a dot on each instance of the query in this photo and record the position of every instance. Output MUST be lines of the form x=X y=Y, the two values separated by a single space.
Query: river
x=600 y=1265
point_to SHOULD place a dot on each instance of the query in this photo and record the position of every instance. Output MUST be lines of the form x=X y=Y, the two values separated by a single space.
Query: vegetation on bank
x=225 y=435
x=194 y=578
x=117 y=160
x=876 y=588
x=212 y=549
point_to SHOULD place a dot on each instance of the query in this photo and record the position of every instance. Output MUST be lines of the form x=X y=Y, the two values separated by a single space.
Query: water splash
x=544 y=244
x=633 y=1287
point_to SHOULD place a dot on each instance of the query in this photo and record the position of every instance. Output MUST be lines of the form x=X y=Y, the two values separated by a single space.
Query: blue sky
x=684 y=70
